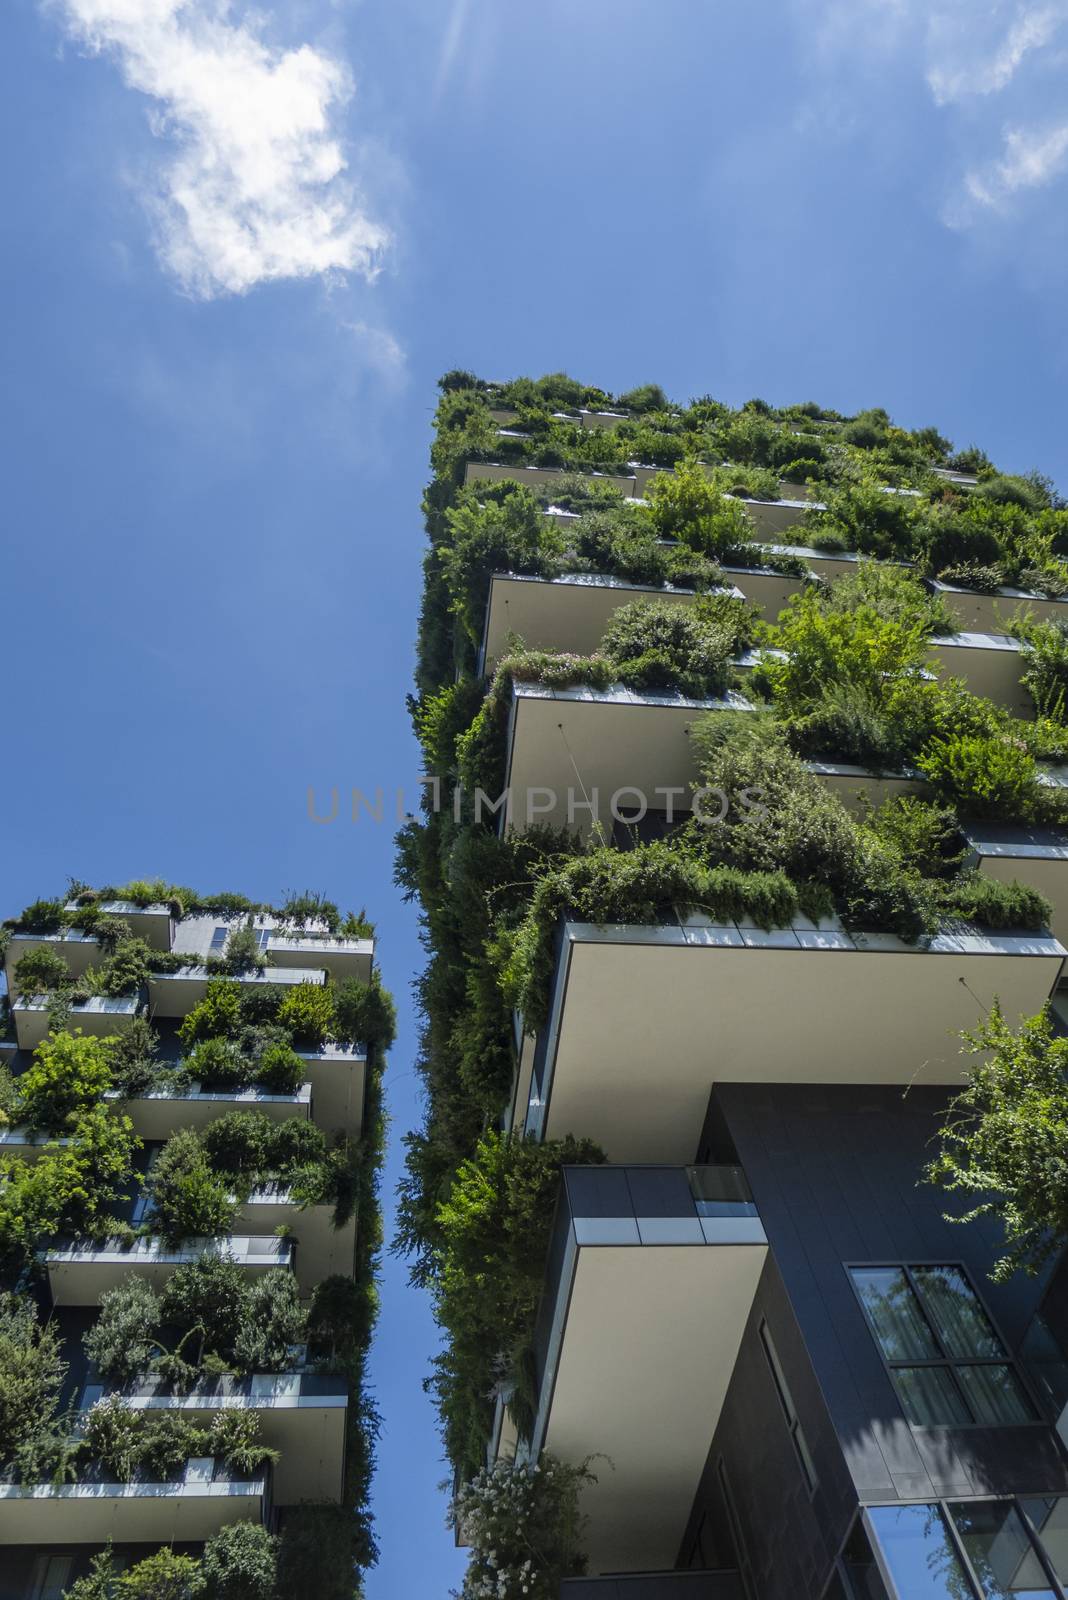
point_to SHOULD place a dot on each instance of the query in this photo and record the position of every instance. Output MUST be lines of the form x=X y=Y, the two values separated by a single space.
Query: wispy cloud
x=255 y=184
x=1032 y=158
x=985 y=71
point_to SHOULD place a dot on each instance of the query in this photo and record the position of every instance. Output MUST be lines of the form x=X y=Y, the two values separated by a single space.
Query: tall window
x=958 y=1550
x=947 y=1362
x=801 y=1450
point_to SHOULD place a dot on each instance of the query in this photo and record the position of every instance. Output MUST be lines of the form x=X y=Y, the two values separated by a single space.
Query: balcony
x=337 y=1074
x=341 y=958
x=155 y=924
x=100 y=1016
x=766 y=591
x=858 y=786
x=159 y=1113
x=541 y=479
x=79 y=950
x=989 y=663
x=723 y=1585
x=565 y=614
x=565 y=746
x=174 y=994
x=17 y=1142
x=989 y=613
x=1035 y=856
x=78 y=1274
x=651 y=1277
x=321 y=1249
x=302 y=1415
x=770 y=518
x=189 y=1509
x=643 y=1020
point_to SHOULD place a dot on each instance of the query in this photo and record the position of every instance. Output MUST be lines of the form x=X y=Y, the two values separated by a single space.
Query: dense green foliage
x=847 y=674
x=1003 y=1143
x=524 y=1528
x=211 y=1319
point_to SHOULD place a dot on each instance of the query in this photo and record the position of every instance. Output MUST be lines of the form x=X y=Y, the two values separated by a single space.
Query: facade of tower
x=190 y=1140
x=744 y=851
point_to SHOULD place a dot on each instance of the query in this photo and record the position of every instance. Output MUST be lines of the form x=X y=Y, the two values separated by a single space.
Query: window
x=741 y=1549
x=51 y=1575
x=218 y=941
x=801 y=1449
x=948 y=1364
x=999 y=1550
x=920 y=1553
x=263 y=937
x=860 y=1568
x=963 y=1550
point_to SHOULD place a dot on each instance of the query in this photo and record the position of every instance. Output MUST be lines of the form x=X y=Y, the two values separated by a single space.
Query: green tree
x=1005 y=1135
x=240 y=1563
x=123 y=1340
x=69 y=1073
x=31 y=1373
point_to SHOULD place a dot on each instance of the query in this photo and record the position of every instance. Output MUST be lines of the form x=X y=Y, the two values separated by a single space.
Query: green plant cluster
x=524 y=1529
x=240 y=1562
x=844 y=675
x=201 y=1178
x=212 y=1319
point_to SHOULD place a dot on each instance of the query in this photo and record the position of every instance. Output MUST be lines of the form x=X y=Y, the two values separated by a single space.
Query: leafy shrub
x=825 y=646
x=308 y=1012
x=217 y=1015
x=657 y=644
x=123 y=1340
x=216 y=1060
x=132 y=1057
x=280 y=1070
x=993 y=904
x=505 y=533
x=927 y=837
x=981 y=776
x=685 y=505
x=364 y=1013
x=983 y=579
x=42 y=916
x=163 y=1576
x=1045 y=674
x=524 y=1529
x=316 y=1553
x=495 y=1228
x=234 y=1437
x=69 y=1073
x=31 y=1374
x=894 y=594
x=126 y=970
x=38 y=971
x=189 y=1199
x=1004 y=1137
x=239 y=1563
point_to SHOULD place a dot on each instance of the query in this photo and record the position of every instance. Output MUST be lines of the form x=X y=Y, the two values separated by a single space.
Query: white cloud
x=256 y=188
x=1031 y=159
x=380 y=351
x=962 y=71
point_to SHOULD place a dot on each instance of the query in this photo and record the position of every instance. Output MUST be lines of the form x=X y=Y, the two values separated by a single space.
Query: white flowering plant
x=524 y=1528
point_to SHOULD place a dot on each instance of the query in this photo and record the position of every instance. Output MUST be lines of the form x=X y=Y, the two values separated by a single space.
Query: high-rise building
x=749 y=730
x=190 y=1140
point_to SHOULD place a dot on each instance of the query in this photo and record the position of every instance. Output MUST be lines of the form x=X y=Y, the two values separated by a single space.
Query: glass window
x=218 y=941
x=1049 y=1517
x=918 y=1550
x=929 y=1396
x=51 y=1576
x=995 y=1394
x=894 y=1313
x=1000 y=1551
x=954 y=1308
x=947 y=1362
x=786 y=1401
x=858 y=1563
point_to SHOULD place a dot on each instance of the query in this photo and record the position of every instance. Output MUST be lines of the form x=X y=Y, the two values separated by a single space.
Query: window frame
x=944 y=1359
x=789 y=1409
x=1054 y=1584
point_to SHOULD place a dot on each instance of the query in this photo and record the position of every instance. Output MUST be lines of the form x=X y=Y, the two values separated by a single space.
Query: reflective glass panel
x=954 y=1308
x=1050 y=1518
x=929 y=1396
x=865 y=1580
x=917 y=1548
x=894 y=1313
x=995 y=1395
x=1002 y=1556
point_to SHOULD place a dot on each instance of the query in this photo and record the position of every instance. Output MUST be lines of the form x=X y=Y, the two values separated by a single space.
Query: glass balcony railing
x=721 y=1191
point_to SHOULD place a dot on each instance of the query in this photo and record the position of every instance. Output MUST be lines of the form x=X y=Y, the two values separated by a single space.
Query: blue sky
x=240 y=247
